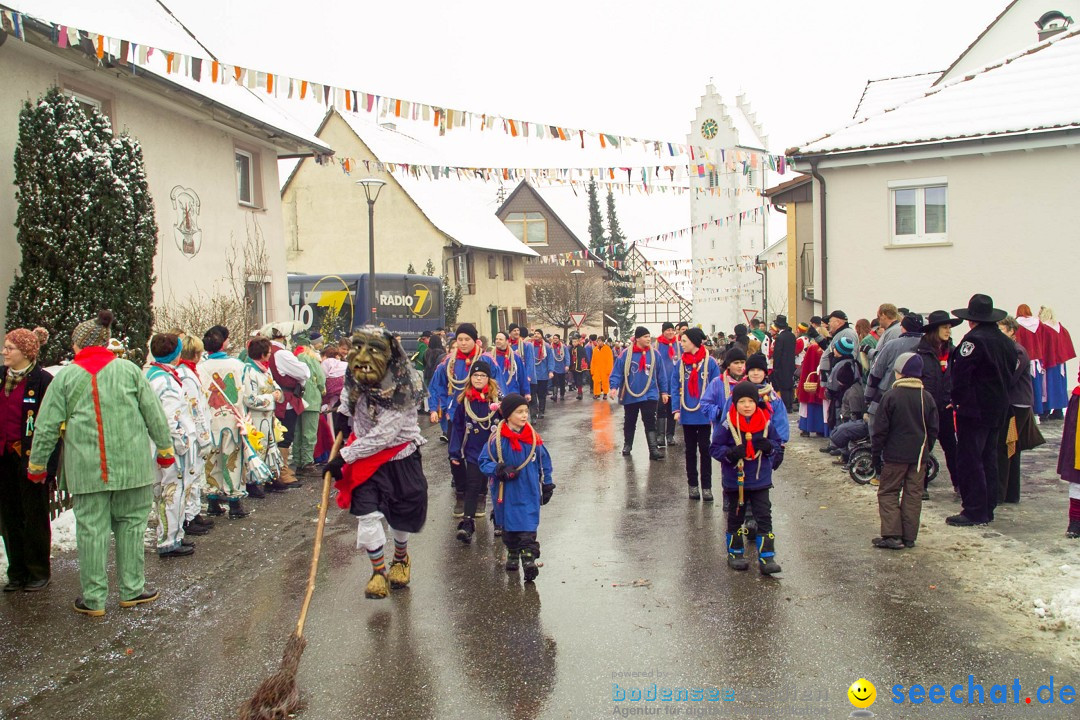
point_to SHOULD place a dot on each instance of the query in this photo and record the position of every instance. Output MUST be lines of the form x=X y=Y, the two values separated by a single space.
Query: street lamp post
x=371 y=186
x=577 y=288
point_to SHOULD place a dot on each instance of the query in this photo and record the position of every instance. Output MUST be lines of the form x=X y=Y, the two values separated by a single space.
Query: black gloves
x=879 y=464
x=335 y=466
x=764 y=445
x=735 y=454
x=546 y=492
x=505 y=472
x=778 y=457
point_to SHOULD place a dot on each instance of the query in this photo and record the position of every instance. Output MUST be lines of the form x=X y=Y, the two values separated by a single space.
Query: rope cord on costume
x=478 y=420
x=453 y=384
x=499 y=451
x=735 y=433
x=626 y=375
x=704 y=381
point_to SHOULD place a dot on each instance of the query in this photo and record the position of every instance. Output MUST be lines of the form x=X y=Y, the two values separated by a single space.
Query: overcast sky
x=629 y=67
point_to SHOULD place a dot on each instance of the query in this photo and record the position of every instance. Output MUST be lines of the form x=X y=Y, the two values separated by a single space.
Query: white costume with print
x=257 y=390
x=170 y=482
x=195 y=395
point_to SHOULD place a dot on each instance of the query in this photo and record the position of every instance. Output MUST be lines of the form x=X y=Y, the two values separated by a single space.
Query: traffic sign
x=577 y=318
x=750 y=315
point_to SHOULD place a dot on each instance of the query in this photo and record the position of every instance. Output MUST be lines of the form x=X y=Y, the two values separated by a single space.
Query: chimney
x=1052 y=23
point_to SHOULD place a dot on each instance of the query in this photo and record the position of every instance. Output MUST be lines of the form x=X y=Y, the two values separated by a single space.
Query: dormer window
x=1052 y=23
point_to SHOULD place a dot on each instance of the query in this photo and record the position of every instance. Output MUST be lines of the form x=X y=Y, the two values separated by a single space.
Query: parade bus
x=334 y=305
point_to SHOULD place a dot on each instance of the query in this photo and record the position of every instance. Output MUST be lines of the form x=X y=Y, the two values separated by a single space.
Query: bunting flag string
x=126 y=52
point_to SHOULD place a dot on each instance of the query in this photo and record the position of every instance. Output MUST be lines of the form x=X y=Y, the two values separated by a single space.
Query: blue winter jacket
x=516 y=502
x=641 y=387
x=442 y=390
x=693 y=411
x=467 y=436
x=560 y=359
x=757 y=472
x=512 y=379
x=524 y=350
x=543 y=365
x=715 y=399
x=779 y=413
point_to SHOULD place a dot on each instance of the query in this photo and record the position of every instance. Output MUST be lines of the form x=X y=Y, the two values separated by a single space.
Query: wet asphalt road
x=634 y=581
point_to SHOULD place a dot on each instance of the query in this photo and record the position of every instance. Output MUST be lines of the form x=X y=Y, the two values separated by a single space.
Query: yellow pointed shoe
x=377 y=587
x=399 y=573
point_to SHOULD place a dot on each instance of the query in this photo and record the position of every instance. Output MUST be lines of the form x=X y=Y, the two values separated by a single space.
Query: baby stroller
x=861 y=463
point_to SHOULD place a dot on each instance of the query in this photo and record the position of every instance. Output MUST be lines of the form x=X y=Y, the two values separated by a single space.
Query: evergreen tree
x=621 y=310
x=596 y=229
x=410 y=270
x=85 y=224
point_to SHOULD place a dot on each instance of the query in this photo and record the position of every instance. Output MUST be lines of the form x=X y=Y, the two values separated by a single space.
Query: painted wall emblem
x=186 y=229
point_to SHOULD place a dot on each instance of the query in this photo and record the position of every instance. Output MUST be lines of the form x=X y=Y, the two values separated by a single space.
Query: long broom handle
x=323 y=505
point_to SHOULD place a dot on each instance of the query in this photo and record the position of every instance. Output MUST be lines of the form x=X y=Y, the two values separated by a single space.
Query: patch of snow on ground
x=1066 y=606
x=63 y=531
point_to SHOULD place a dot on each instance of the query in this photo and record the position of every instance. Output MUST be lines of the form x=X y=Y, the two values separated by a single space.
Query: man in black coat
x=783 y=350
x=982 y=366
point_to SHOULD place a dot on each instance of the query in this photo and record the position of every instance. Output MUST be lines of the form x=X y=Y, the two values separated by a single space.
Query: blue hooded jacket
x=692 y=411
x=641 y=386
x=516 y=502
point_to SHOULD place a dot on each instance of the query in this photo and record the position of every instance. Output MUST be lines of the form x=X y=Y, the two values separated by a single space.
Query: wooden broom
x=277 y=697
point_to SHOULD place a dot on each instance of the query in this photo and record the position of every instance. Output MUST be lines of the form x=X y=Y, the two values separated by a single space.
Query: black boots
x=528 y=564
x=236 y=510
x=465 y=530
x=736 y=551
x=655 y=453
x=695 y=493
x=767 y=554
x=214 y=506
x=193 y=528
x=512 y=560
x=627 y=447
x=256 y=491
x=661 y=431
x=459 y=504
x=1074 y=530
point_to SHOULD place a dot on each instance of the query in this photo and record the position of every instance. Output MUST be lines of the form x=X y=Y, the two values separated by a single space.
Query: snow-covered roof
x=147 y=22
x=887 y=93
x=462 y=209
x=465 y=211
x=640 y=215
x=1029 y=92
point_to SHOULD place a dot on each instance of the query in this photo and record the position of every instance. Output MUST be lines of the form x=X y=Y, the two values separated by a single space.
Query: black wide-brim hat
x=980 y=309
x=939 y=318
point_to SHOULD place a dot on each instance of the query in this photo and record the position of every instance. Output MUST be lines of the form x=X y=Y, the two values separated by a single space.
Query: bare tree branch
x=552 y=300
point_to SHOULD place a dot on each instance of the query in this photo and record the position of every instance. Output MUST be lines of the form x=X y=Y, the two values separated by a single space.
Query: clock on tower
x=708 y=129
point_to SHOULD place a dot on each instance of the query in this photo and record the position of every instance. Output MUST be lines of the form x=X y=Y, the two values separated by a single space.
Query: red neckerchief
x=475 y=395
x=756 y=423
x=671 y=351
x=190 y=365
x=539 y=344
x=641 y=362
x=555 y=344
x=298 y=350
x=170 y=370
x=503 y=353
x=467 y=358
x=93 y=359
x=692 y=359
x=516 y=438
x=943 y=358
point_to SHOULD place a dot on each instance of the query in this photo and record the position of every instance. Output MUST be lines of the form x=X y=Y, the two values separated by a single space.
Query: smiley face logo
x=862 y=693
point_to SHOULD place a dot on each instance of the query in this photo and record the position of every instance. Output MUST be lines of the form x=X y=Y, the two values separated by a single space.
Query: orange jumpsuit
x=602 y=363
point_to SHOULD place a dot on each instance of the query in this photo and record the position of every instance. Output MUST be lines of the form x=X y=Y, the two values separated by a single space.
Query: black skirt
x=1067 y=455
x=398 y=490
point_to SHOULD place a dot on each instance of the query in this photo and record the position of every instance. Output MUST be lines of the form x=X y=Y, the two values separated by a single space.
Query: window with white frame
x=255 y=299
x=245 y=178
x=528 y=227
x=918 y=211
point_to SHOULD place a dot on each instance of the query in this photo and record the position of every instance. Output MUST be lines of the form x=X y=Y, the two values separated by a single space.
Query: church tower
x=727 y=173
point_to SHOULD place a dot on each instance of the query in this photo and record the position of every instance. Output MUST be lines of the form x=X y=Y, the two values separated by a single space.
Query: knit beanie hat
x=480 y=366
x=640 y=331
x=803 y=327
x=735 y=354
x=909 y=364
x=28 y=342
x=912 y=322
x=745 y=389
x=757 y=361
x=510 y=403
x=667 y=326
x=93 y=333
x=467 y=329
x=845 y=345
x=696 y=336
x=740 y=330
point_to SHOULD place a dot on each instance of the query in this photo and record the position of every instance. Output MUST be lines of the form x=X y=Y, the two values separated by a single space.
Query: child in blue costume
x=518 y=462
x=746 y=443
x=640 y=378
x=693 y=372
x=543 y=370
x=470 y=430
x=508 y=368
